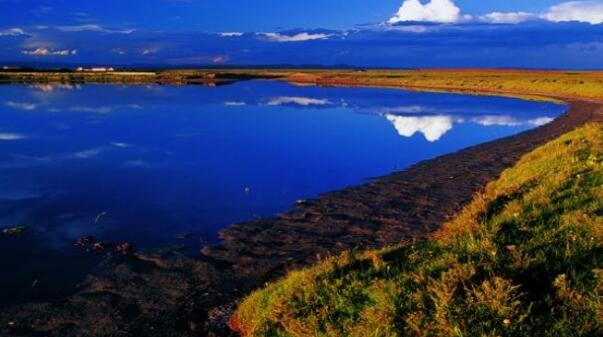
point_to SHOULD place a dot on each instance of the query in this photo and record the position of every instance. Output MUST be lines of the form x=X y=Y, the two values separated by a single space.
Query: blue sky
x=392 y=33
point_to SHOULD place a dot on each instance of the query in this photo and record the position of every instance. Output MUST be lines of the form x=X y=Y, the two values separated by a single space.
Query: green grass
x=525 y=258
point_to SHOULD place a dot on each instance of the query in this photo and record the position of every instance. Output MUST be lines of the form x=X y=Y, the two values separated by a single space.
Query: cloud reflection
x=510 y=121
x=303 y=101
x=11 y=136
x=432 y=127
x=27 y=106
x=435 y=127
x=52 y=87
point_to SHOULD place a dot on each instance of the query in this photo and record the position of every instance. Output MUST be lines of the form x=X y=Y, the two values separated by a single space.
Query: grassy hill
x=525 y=258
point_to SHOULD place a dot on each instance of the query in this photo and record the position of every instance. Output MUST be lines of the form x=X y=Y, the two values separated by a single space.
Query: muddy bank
x=169 y=294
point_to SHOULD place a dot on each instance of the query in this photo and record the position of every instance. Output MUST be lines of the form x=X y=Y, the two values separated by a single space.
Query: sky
x=368 y=33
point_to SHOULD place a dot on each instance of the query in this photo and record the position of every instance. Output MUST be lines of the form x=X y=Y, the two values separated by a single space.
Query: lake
x=160 y=166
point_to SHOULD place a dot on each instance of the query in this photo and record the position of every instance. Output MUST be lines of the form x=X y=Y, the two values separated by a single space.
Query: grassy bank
x=562 y=84
x=525 y=258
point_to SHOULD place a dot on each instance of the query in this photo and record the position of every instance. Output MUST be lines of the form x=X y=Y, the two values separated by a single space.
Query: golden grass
x=518 y=83
x=525 y=258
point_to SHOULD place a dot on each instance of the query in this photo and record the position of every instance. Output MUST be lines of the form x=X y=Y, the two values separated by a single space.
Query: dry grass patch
x=525 y=258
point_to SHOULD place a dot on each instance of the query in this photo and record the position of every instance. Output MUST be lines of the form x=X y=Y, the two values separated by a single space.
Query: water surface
x=162 y=165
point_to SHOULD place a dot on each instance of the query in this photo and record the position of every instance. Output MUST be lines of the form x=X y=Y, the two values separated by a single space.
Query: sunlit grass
x=519 y=82
x=525 y=258
x=522 y=83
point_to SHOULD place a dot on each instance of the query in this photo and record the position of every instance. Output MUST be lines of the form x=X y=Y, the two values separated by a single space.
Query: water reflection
x=164 y=160
x=510 y=121
x=160 y=161
x=302 y=101
x=432 y=127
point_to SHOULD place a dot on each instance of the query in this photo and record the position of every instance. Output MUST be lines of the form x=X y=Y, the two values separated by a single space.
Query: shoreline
x=402 y=206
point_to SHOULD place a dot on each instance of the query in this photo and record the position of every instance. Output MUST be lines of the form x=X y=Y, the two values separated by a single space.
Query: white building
x=96 y=69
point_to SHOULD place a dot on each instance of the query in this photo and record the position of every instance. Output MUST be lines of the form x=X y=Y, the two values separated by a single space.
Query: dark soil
x=170 y=294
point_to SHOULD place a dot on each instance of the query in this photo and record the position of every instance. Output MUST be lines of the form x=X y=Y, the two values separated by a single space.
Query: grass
x=524 y=258
x=562 y=84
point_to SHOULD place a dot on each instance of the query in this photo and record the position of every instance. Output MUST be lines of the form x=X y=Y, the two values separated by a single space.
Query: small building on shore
x=96 y=69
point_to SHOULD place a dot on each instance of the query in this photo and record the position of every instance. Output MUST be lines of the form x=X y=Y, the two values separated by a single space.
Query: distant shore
x=195 y=295
x=517 y=83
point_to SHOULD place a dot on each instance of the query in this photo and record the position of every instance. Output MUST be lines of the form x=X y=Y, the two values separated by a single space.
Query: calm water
x=151 y=164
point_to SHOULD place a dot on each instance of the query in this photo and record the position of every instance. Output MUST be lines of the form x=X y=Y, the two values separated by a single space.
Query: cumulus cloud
x=304 y=101
x=440 y=11
x=13 y=32
x=49 y=52
x=581 y=11
x=432 y=127
x=446 y=11
x=299 y=37
x=512 y=17
x=94 y=28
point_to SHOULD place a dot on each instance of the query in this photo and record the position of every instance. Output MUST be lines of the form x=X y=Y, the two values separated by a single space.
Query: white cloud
x=13 y=32
x=22 y=106
x=120 y=144
x=409 y=29
x=234 y=103
x=48 y=52
x=442 y=11
x=94 y=28
x=119 y=51
x=103 y=109
x=582 y=11
x=278 y=37
x=97 y=110
x=432 y=127
x=304 y=101
x=85 y=154
x=149 y=51
x=220 y=59
x=231 y=34
x=42 y=10
x=512 y=17
x=11 y=136
x=138 y=164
